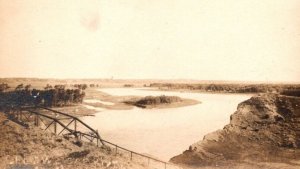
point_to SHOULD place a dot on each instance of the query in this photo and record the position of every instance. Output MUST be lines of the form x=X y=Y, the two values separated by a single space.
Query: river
x=164 y=133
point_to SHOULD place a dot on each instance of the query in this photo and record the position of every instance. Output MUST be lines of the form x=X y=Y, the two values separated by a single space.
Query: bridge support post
x=55 y=127
x=36 y=120
x=75 y=125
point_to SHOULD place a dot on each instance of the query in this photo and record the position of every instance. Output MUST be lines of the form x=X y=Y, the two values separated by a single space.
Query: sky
x=257 y=40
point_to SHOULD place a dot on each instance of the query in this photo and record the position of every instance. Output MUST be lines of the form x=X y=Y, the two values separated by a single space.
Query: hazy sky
x=191 y=39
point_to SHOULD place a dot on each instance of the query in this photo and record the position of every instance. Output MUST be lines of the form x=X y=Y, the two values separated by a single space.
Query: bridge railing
x=149 y=160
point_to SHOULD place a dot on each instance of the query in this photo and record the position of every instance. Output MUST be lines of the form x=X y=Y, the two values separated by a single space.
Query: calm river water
x=164 y=133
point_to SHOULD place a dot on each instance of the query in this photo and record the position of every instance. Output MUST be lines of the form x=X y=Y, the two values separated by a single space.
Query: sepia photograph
x=149 y=84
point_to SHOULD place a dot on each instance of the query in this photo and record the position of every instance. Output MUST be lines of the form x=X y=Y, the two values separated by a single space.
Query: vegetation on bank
x=154 y=100
x=232 y=88
x=291 y=93
x=25 y=95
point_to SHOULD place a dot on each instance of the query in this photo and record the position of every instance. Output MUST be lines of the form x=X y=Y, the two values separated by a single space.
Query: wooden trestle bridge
x=67 y=125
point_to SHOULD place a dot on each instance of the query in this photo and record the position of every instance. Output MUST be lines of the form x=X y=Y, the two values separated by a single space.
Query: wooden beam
x=65 y=128
x=49 y=125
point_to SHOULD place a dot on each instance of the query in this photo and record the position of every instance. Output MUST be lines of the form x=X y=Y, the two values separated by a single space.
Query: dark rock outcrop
x=265 y=128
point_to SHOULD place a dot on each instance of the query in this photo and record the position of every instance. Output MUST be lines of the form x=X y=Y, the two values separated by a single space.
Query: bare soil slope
x=264 y=132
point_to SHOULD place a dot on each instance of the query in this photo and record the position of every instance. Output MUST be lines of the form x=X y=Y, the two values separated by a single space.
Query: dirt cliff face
x=265 y=128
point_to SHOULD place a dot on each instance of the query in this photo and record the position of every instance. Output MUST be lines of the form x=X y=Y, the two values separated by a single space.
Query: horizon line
x=160 y=79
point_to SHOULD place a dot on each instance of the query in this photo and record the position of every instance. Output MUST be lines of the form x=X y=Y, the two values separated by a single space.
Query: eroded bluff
x=265 y=128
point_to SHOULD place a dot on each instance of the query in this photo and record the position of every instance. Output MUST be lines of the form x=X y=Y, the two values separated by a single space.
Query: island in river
x=160 y=102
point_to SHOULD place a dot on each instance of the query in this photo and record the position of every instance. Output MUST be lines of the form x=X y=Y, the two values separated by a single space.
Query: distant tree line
x=232 y=88
x=80 y=86
x=94 y=85
x=50 y=96
x=85 y=86
x=128 y=85
x=3 y=87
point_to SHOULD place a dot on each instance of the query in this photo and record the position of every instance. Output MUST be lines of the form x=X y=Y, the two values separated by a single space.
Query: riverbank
x=263 y=132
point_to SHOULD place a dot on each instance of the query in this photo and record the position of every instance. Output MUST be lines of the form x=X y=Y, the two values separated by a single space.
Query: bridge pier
x=36 y=120
x=75 y=125
x=55 y=127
